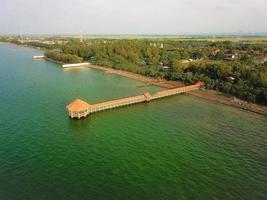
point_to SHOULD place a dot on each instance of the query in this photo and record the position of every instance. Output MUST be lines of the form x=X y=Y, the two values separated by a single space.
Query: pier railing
x=170 y=92
x=92 y=108
x=116 y=103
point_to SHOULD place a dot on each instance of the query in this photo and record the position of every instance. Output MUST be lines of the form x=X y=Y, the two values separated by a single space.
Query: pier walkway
x=79 y=108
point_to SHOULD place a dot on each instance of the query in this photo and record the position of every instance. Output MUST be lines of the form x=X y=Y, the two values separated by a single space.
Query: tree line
x=63 y=57
x=245 y=77
x=187 y=61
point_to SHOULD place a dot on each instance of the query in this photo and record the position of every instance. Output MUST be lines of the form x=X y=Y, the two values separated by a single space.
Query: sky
x=98 y=17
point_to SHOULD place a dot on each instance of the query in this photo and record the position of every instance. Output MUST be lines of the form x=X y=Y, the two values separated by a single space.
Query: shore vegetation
x=237 y=68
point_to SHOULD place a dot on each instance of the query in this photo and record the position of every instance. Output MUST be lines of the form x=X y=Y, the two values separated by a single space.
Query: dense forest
x=62 y=57
x=234 y=68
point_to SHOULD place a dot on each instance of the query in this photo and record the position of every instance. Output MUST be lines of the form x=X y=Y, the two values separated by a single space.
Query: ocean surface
x=175 y=148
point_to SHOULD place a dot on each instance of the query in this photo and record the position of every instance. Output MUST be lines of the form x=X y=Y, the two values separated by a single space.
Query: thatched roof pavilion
x=78 y=108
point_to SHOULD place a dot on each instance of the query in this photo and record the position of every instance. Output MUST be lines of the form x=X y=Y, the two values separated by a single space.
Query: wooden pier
x=79 y=109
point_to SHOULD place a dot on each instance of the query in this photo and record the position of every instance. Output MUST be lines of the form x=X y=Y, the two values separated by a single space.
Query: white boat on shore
x=38 y=57
x=75 y=65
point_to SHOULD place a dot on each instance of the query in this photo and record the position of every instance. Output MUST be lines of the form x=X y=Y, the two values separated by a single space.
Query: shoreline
x=208 y=95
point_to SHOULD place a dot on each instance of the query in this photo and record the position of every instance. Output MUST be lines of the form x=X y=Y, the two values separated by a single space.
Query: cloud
x=132 y=16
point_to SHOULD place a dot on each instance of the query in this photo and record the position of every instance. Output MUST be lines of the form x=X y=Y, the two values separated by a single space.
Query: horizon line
x=258 y=34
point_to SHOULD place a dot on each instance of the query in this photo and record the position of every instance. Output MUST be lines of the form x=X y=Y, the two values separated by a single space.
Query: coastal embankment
x=209 y=95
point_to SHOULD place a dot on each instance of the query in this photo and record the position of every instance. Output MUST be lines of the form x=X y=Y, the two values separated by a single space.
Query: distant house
x=231 y=78
x=251 y=52
x=191 y=60
x=243 y=52
x=258 y=53
x=48 y=42
x=165 y=67
x=215 y=52
x=265 y=59
x=229 y=56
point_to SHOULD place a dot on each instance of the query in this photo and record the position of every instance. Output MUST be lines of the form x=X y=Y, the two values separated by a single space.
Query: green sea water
x=175 y=148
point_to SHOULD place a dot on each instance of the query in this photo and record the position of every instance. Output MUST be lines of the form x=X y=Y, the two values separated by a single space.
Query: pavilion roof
x=78 y=105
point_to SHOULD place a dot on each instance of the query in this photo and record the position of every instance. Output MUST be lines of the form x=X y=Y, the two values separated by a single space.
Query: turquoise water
x=175 y=148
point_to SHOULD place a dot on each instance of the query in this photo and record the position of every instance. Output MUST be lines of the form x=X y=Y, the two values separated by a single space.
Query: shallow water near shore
x=175 y=148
